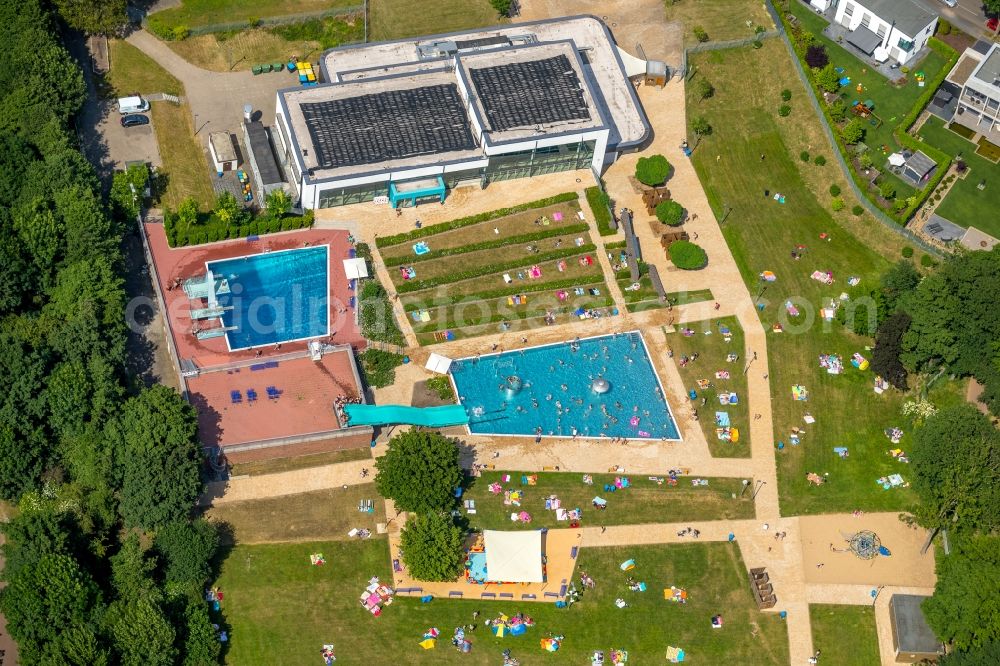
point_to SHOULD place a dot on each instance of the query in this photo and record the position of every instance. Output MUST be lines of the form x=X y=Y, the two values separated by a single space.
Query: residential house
x=883 y=29
x=978 y=73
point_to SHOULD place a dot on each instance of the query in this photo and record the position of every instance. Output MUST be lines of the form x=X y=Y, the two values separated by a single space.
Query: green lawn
x=396 y=19
x=712 y=352
x=194 y=13
x=721 y=19
x=892 y=103
x=966 y=204
x=299 y=462
x=643 y=502
x=845 y=634
x=762 y=234
x=281 y=610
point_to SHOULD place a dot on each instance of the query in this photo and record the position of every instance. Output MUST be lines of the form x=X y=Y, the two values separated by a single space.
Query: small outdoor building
x=912 y=639
x=918 y=168
x=223 y=150
x=438 y=363
x=656 y=73
x=263 y=165
x=414 y=191
x=514 y=557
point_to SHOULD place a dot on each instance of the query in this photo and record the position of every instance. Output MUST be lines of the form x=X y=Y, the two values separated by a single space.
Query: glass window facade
x=523 y=164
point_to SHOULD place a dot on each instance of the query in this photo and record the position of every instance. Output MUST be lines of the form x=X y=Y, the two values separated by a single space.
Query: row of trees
x=103 y=563
x=946 y=323
x=420 y=473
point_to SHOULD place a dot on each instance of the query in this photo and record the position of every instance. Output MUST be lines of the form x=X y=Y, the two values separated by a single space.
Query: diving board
x=431 y=417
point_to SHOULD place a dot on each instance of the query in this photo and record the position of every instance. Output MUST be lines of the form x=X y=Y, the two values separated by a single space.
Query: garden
x=535 y=264
x=966 y=204
x=869 y=113
x=640 y=295
x=778 y=247
x=709 y=358
x=637 y=501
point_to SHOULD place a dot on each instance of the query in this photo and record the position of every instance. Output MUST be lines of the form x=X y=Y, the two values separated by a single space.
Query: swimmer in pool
x=534 y=403
x=618 y=405
x=558 y=404
x=548 y=396
x=564 y=387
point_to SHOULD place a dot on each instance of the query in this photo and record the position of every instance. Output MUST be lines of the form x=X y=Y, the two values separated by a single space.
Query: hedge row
x=579 y=227
x=617 y=245
x=375 y=315
x=600 y=205
x=214 y=229
x=419 y=285
x=566 y=283
x=423 y=232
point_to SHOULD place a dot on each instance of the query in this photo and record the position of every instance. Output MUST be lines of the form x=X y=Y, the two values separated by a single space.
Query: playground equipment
x=866 y=545
x=430 y=417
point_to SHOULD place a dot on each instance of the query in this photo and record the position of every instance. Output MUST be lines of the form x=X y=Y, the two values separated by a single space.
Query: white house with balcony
x=884 y=29
x=979 y=103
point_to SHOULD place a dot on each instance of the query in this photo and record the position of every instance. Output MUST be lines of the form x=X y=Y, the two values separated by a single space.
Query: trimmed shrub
x=857 y=210
x=927 y=261
x=816 y=56
x=819 y=161
x=887 y=190
x=943 y=27
x=784 y=110
x=687 y=256
x=380 y=366
x=180 y=32
x=907 y=251
x=786 y=94
x=670 y=213
x=600 y=204
x=853 y=131
x=837 y=205
x=700 y=34
x=835 y=190
x=804 y=156
x=838 y=111
x=652 y=170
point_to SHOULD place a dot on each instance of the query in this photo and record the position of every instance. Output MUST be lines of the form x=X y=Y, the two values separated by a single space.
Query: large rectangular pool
x=275 y=297
x=594 y=387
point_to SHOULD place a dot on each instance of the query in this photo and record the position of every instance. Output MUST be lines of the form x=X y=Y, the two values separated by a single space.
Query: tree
x=432 y=547
x=652 y=170
x=956 y=470
x=187 y=547
x=379 y=365
x=886 y=189
x=156 y=458
x=700 y=34
x=897 y=282
x=888 y=347
x=201 y=644
x=45 y=599
x=853 y=131
x=827 y=78
x=816 y=57
x=670 y=213
x=94 y=18
x=838 y=111
x=141 y=632
x=227 y=208
x=963 y=610
x=705 y=88
x=127 y=191
x=420 y=471
x=700 y=126
x=992 y=6
x=502 y=7
x=278 y=204
x=987 y=654
x=687 y=256
x=131 y=570
x=187 y=213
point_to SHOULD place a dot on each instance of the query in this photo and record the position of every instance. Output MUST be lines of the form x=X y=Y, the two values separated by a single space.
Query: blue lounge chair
x=251 y=395
x=236 y=397
x=273 y=393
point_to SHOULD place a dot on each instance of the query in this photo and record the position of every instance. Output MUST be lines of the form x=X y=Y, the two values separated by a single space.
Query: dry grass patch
x=299 y=462
x=242 y=50
x=721 y=19
x=395 y=19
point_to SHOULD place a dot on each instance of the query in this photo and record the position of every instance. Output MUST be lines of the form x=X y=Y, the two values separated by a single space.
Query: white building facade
x=902 y=27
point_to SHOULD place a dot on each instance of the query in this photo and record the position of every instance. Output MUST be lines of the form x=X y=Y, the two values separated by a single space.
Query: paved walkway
x=286 y=483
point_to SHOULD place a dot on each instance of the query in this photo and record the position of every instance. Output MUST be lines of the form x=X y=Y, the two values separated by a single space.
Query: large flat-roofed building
x=411 y=119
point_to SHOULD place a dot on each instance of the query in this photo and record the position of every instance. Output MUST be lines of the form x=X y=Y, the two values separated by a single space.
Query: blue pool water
x=477 y=567
x=556 y=393
x=276 y=297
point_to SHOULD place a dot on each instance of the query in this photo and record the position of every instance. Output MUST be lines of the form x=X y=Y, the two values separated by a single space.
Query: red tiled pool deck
x=173 y=264
x=307 y=389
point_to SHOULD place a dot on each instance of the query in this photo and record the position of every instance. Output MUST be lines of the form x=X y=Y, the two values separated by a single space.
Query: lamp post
x=760 y=484
x=746 y=482
x=725 y=216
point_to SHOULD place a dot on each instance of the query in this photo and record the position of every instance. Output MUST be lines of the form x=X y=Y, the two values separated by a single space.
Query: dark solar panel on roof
x=496 y=40
x=391 y=125
x=524 y=94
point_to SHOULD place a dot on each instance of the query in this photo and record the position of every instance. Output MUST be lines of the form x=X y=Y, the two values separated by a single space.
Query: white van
x=134 y=104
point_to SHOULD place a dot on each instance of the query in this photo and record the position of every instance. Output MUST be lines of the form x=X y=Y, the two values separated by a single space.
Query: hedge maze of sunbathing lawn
x=526 y=266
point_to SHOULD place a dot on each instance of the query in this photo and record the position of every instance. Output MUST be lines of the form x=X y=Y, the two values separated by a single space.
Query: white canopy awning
x=438 y=363
x=897 y=159
x=355 y=268
x=513 y=557
x=881 y=54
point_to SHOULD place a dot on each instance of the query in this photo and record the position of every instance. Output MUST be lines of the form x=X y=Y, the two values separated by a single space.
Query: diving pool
x=275 y=297
x=553 y=391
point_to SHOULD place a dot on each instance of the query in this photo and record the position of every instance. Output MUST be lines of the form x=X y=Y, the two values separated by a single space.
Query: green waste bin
x=256 y=70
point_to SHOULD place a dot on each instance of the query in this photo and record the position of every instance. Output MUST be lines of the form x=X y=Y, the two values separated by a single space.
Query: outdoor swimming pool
x=476 y=566
x=275 y=297
x=557 y=391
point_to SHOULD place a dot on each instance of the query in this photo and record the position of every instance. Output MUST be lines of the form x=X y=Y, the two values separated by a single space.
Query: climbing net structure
x=865 y=544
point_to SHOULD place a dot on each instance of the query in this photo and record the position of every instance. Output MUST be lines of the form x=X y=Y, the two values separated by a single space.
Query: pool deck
x=308 y=390
x=187 y=262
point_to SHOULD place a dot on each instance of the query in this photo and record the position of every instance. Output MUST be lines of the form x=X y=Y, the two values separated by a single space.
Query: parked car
x=133 y=104
x=950 y=3
x=134 y=120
